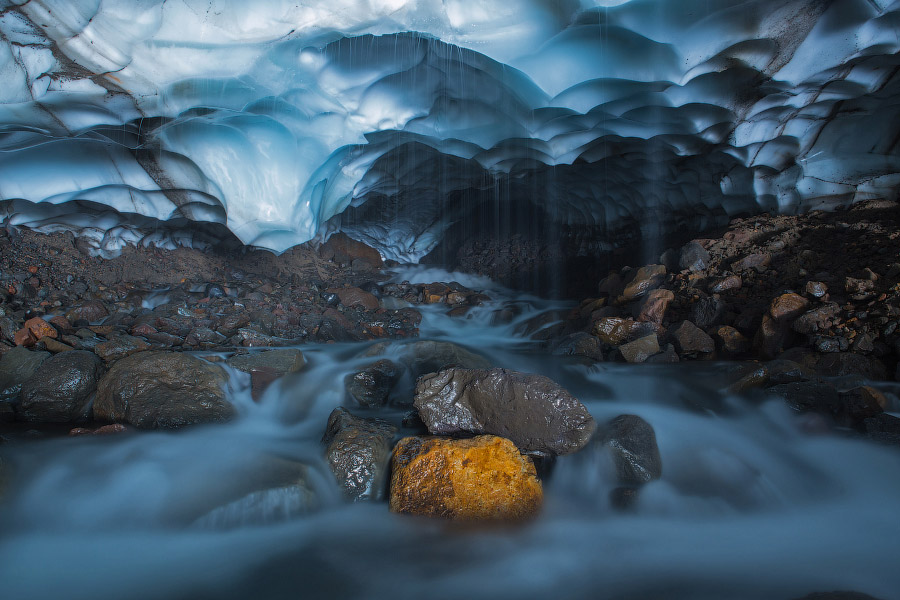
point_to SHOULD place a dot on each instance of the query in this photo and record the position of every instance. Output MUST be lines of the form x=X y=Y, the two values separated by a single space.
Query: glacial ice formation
x=135 y=121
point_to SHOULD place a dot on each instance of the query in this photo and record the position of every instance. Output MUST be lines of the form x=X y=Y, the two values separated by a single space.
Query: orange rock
x=479 y=479
x=24 y=337
x=40 y=328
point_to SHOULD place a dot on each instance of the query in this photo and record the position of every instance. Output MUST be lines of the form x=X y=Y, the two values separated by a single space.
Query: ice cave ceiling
x=158 y=121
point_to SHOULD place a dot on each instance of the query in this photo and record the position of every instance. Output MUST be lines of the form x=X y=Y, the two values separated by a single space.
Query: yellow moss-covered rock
x=478 y=479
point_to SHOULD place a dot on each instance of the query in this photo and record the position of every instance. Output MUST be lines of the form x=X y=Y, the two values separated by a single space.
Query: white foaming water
x=749 y=505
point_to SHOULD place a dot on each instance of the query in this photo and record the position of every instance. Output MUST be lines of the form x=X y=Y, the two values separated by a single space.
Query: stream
x=754 y=501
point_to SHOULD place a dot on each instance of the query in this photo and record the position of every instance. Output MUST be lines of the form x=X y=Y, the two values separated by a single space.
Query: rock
x=859 y=404
x=690 y=340
x=16 y=367
x=91 y=311
x=756 y=378
x=281 y=361
x=725 y=284
x=345 y=250
x=536 y=413
x=632 y=442
x=371 y=386
x=353 y=297
x=428 y=356
x=807 y=395
x=645 y=279
x=580 y=344
x=707 y=312
x=693 y=257
x=772 y=336
x=478 y=479
x=204 y=337
x=653 y=307
x=667 y=356
x=816 y=289
x=752 y=261
x=616 y=331
x=267 y=366
x=163 y=389
x=860 y=289
x=787 y=371
x=104 y=430
x=55 y=346
x=849 y=363
x=358 y=451
x=62 y=389
x=731 y=341
x=788 y=307
x=640 y=349
x=816 y=319
x=119 y=347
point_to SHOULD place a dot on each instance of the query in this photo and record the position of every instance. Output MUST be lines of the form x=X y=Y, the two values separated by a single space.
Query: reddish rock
x=644 y=280
x=433 y=293
x=654 y=306
x=479 y=479
x=816 y=319
x=752 y=261
x=62 y=324
x=346 y=250
x=354 y=297
x=787 y=307
x=41 y=328
x=24 y=337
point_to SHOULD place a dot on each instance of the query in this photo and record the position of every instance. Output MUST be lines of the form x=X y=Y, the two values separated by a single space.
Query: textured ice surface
x=272 y=117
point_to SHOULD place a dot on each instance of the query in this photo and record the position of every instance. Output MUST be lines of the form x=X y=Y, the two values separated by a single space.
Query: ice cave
x=457 y=298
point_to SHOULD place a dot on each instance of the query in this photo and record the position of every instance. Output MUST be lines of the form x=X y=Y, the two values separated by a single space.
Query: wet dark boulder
x=632 y=443
x=533 y=411
x=690 y=340
x=693 y=257
x=850 y=363
x=371 y=386
x=580 y=344
x=16 y=367
x=358 y=451
x=161 y=390
x=62 y=389
x=807 y=395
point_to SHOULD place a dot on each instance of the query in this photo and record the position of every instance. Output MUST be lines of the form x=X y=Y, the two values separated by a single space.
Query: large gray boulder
x=533 y=411
x=358 y=451
x=163 y=389
x=16 y=367
x=62 y=389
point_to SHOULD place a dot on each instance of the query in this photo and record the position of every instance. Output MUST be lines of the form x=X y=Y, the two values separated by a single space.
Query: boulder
x=479 y=479
x=62 y=389
x=119 y=347
x=353 y=297
x=707 y=312
x=645 y=279
x=344 y=249
x=632 y=442
x=640 y=349
x=91 y=311
x=358 y=451
x=654 y=305
x=163 y=389
x=725 y=284
x=690 y=340
x=16 y=367
x=850 y=363
x=536 y=413
x=580 y=344
x=788 y=306
x=371 y=386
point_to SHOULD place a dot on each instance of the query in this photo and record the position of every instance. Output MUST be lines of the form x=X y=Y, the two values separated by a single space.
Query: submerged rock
x=267 y=366
x=358 y=451
x=62 y=388
x=371 y=386
x=479 y=479
x=163 y=389
x=635 y=453
x=533 y=411
x=428 y=356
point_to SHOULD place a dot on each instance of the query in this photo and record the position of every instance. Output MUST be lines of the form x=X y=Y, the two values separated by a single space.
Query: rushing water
x=750 y=505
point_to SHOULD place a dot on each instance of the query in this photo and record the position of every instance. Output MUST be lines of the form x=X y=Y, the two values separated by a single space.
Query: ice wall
x=136 y=120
